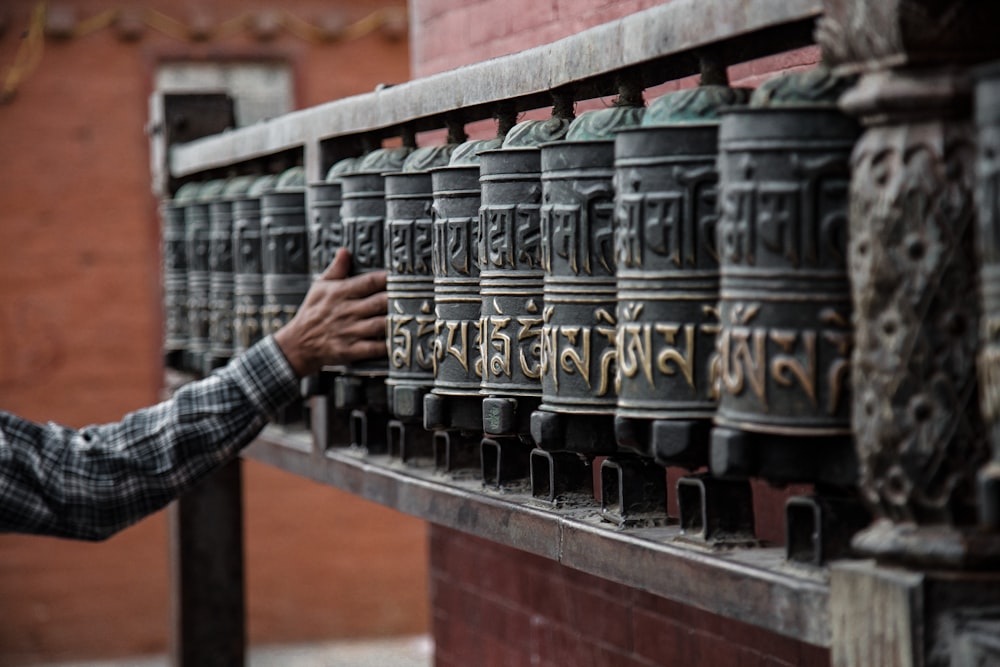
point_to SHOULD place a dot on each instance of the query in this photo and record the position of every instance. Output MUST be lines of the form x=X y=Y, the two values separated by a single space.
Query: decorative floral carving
x=916 y=417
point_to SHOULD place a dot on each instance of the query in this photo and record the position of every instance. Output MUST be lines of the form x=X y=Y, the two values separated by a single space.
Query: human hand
x=341 y=320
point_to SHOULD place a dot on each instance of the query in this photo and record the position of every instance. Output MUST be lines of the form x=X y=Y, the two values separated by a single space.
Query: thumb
x=340 y=267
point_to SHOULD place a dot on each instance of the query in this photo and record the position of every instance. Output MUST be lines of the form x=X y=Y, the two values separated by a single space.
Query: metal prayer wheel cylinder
x=511 y=287
x=220 y=259
x=363 y=219
x=410 y=287
x=175 y=278
x=197 y=239
x=285 y=249
x=248 y=272
x=578 y=364
x=326 y=229
x=668 y=274
x=785 y=338
x=668 y=288
x=455 y=401
x=360 y=390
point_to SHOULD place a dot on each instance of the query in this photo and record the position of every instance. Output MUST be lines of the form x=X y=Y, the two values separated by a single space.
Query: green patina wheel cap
x=262 y=185
x=187 y=193
x=211 y=191
x=693 y=105
x=237 y=187
x=428 y=157
x=818 y=87
x=341 y=167
x=383 y=159
x=531 y=133
x=467 y=154
x=291 y=179
x=603 y=124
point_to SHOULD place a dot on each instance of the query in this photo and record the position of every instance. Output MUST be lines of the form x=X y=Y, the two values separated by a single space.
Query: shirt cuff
x=265 y=376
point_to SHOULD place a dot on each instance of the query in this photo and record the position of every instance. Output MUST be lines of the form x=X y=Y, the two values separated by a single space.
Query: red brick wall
x=80 y=343
x=495 y=606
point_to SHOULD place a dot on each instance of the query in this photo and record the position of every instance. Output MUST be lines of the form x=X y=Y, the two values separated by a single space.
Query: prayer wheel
x=173 y=213
x=455 y=402
x=511 y=276
x=410 y=285
x=221 y=281
x=668 y=274
x=248 y=273
x=785 y=336
x=326 y=230
x=284 y=245
x=578 y=364
x=197 y=236
x=360 y=390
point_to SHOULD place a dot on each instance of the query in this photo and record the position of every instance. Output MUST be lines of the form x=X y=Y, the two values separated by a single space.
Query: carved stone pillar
x=912 y=257
x=920 y=434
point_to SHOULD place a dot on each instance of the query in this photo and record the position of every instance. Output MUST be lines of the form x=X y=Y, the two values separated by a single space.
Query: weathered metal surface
x=410 y=285
x=633 y=492
x=561 y=478
x=284 y=245
x=716 y=512
x=511 y=281
x=785 y=333
x=173 y=213
x=578 y=364
x=658 y=39
x=511 y=275
x=751 y=585
x=326 y=230
x=458 y=366
x=220 y=260
x=818 y=528
x=668 y=274
x=248 y=271
x=198 y=243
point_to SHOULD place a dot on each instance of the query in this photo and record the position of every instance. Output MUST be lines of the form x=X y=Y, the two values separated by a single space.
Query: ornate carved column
x=920 y=435
x=912 y=257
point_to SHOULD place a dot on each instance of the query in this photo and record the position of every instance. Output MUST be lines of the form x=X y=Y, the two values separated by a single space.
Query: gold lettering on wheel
x=745 y=360
x=402 y=342
x=460 y=352
x=787 y=368
x=842 y=341
x=635 y=345
x=425 y=341
x=609 y=357
x=530 y=331
x=572 y=361
x=499 y=346
x=684 y=362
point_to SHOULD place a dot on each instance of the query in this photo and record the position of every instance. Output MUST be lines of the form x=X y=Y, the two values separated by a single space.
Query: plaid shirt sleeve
x=92 y=482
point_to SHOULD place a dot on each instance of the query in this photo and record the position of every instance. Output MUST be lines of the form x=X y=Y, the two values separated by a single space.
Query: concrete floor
x=398 y=652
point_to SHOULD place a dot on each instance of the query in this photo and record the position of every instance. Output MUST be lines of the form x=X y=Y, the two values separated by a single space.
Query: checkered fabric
x=92 y=482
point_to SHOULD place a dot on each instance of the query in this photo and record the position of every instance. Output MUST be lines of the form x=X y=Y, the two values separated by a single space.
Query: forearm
x=92 y=482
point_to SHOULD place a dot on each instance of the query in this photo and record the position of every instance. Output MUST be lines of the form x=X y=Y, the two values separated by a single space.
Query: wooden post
x=206 y=558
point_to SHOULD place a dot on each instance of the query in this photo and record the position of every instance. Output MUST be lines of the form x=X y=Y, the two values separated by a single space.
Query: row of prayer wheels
x=668 y=281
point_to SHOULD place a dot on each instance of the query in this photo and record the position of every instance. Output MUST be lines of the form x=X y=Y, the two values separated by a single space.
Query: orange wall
x=80 y=342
